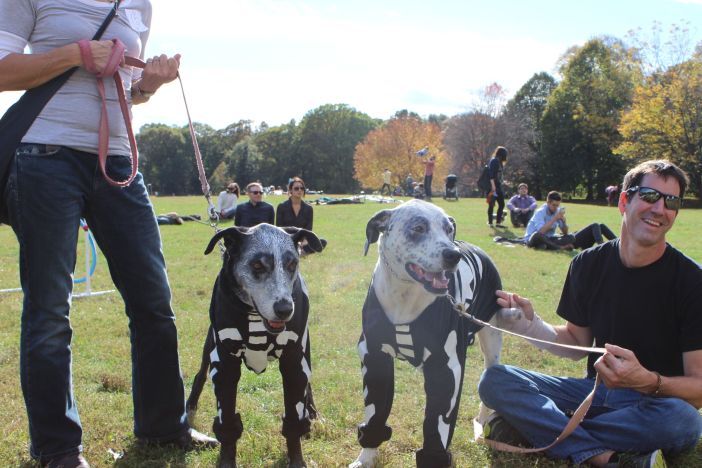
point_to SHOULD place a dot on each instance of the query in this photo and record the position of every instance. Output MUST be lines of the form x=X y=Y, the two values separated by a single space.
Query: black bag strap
x=17 y=120
x=20 y=116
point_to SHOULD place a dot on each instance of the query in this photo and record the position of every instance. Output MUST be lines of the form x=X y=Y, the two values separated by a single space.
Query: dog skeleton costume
x=436 y=343
x=240 y=336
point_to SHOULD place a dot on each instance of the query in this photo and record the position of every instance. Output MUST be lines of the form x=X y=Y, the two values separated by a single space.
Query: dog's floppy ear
x=377 y=224
x=297 y=234
x=453 y=223
x=231 y=237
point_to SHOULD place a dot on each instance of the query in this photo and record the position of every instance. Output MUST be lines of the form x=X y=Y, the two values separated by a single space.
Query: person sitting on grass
x=521 y=206
x=638 y=297
x=541 y=230
x=255 y=211
x=227 y=200
x=295 y=212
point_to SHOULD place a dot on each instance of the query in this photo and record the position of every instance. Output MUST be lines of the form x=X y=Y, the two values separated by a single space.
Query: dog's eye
x=257 y=266
x=292 y=265
x=419 y=229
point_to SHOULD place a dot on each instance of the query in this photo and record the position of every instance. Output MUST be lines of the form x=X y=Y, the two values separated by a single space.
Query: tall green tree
x=166 y=160
x=245 y=160
x=523 y=115
x=581 y=119
x=278 y=147
x=328 y=136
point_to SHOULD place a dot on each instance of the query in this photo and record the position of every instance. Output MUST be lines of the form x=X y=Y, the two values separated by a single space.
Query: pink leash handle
x=116 y=59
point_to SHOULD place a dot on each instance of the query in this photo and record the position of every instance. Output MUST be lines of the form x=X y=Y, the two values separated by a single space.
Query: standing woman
x=495 y=166
x=54 y=181
x=295 y=211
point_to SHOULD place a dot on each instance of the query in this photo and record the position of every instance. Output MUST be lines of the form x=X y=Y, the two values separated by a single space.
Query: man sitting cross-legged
x=521 y=206
x=638 y=297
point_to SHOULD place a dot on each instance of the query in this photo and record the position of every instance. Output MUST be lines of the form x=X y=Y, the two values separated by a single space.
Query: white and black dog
x=407 y=315
x=258 y=313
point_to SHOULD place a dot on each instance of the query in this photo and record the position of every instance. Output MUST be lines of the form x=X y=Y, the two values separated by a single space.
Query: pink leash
x=112 y=69
x=579 y=413
x=117 y=58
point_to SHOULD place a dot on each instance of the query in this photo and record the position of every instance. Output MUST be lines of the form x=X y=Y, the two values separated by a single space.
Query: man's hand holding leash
x=619 y=368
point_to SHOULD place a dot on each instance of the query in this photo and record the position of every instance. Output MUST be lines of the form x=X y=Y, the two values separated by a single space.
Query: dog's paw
x=511 y=319
x=227 y=457
x=299 y=463
x=366 y=459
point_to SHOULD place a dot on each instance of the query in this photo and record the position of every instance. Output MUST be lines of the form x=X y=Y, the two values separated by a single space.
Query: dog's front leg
x=378 y=389
x=491 y=347
x=227 y=425
x=443 y=380
x=295 y=370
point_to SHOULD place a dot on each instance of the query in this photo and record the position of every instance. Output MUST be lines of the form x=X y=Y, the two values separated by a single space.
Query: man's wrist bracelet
x=657 y=390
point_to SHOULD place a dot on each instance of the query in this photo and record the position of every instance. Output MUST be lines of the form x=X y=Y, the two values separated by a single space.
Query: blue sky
x=272 y=60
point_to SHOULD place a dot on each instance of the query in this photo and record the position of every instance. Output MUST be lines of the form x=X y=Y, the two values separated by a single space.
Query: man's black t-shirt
x=655 y=311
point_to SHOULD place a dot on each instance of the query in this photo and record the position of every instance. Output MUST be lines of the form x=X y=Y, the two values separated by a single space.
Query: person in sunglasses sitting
x=255 y=211
x=639 y=298
x=541 y=229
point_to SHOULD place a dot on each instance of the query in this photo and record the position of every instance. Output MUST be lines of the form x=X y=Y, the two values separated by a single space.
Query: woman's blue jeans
x=49 y=190
x=622 y=420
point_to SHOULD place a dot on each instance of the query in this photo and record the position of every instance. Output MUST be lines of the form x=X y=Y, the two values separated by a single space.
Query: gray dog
x=258 y=313
x=408 y=316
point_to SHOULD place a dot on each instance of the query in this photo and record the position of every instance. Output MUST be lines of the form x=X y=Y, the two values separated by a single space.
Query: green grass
x=338 y=279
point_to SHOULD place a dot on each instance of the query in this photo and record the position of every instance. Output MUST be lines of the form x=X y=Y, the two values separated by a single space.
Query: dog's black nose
x=451 y=257
x=283 y=309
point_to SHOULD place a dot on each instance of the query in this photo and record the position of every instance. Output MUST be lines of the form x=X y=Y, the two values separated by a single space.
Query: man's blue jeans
x=49 y=190
x=539 y=407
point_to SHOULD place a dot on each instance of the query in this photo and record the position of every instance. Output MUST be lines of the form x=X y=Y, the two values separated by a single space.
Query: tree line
x=615 y=103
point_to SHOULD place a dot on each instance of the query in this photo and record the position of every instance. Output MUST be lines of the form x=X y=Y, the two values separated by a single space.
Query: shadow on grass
x=142 y=456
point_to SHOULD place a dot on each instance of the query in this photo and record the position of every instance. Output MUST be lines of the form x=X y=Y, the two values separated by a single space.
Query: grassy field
x=338 y=279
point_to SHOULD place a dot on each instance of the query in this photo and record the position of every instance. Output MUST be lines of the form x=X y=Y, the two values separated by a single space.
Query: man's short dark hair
x=660 y=167
x=553 y=196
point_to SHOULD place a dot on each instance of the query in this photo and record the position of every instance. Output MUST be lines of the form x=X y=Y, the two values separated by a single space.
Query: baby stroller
x=451 y=187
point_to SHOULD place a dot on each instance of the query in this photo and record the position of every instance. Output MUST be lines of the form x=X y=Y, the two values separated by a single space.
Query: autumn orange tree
x=394 y=146
x=665 y=120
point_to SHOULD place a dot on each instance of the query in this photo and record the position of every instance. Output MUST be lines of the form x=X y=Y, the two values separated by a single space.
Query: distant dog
x=408 y=316
x=258 y=313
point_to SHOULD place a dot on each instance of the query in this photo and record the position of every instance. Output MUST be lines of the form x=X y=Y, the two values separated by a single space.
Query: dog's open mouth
x=435 y=282
x=274 y=326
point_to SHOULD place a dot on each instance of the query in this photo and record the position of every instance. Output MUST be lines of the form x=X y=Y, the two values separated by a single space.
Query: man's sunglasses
x=255 y=192
x=650 y=195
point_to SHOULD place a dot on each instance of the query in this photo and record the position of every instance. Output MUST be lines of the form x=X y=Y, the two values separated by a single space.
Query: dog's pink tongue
x=276 y=323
